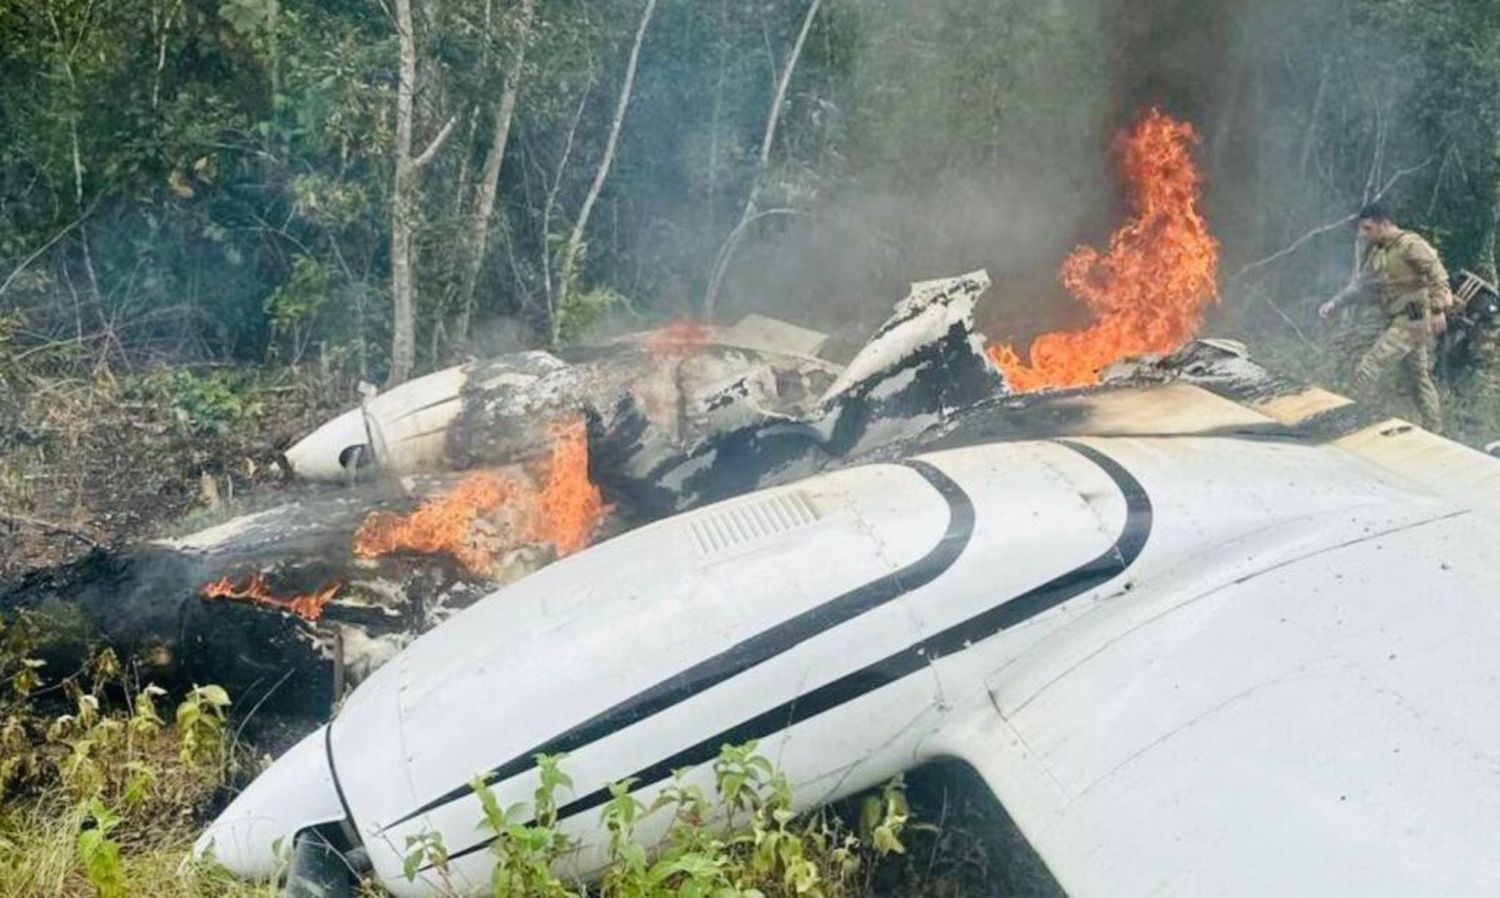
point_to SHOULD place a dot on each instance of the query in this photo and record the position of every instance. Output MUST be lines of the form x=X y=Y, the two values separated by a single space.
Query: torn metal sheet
x=921 y=368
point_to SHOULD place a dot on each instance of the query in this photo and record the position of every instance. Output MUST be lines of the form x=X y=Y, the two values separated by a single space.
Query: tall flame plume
x=1148 y=293
x=564 y=511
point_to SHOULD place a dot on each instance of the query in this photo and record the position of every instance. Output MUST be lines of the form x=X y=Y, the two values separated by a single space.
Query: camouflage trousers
x=1398 y=345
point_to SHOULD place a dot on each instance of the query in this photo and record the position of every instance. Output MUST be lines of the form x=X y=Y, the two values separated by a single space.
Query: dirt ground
x=103 y=463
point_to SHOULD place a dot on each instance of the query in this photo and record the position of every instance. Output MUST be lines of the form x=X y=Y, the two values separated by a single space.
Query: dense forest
x=385 y=186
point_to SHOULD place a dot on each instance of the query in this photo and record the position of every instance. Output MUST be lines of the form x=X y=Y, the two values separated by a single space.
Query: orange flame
x=565 y=511
x=1149 y=292
x=571 y=506
x=257 y=591
x=442 y=524
x=682 y=337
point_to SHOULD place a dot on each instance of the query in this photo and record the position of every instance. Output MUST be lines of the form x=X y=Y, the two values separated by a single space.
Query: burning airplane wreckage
x=1197 y=629
x=460 y=481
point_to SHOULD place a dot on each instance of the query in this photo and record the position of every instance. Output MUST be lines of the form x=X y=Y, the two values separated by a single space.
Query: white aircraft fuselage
x=1184 y=664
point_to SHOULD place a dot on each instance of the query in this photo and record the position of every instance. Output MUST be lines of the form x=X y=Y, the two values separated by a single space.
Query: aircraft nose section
x=253 y=836
x=332 y=451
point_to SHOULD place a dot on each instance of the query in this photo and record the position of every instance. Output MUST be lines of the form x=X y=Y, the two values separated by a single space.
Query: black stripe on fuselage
x=338 y=787
x=1113 y=562
x=753 y=651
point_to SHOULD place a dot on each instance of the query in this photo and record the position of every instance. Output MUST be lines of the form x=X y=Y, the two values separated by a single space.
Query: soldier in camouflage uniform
x=1405 y=277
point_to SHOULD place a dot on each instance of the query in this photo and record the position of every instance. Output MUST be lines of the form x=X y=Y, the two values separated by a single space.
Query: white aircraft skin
x=1184 y=665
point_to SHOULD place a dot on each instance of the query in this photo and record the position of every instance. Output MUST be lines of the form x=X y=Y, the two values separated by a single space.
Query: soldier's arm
x=1425 y=261
x=1352 y=290
x=1359 y=283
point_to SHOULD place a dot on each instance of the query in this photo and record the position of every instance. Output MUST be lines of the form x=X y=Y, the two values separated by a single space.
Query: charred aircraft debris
x=286 y=608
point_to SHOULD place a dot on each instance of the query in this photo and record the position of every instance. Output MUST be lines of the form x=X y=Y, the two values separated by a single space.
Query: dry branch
x=1329 y=226
x=428 y=154
x=52 y=241
x=50 y=527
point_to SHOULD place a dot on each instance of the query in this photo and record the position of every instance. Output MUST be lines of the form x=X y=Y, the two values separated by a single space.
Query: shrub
x=743 y=842
x=99 y=794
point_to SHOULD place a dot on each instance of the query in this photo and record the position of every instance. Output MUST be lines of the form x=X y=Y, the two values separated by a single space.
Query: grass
x=105 y=783
x=41 y=856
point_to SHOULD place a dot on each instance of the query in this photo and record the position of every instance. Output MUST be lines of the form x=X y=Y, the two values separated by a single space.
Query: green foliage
x=526 y=851
x=99 y=853
x=247 y=17
x=583 y=312
x=210 y=403
x=423 y=849
x=200 y=726
x=293 y=306
x=882 y=818
x=106 y=798
x=293 y=303
x=747 y=842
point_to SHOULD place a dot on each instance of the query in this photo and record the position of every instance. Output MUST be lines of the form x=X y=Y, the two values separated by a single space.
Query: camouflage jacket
x=1400 y=271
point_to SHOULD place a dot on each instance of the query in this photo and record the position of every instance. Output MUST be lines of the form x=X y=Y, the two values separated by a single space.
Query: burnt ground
x=135 y=457
x=959 y=843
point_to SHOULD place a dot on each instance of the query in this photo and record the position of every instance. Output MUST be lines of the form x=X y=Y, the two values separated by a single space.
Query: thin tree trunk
x=1310 y=138
x=713 y=146
x=161 y=48
x=489 y=180
x=575 y=240
x=1485 y=263
x=461 y=191
x=408 y=170
x=716 y=277
x=551 y=202
x=784 y=82
x=403 y=307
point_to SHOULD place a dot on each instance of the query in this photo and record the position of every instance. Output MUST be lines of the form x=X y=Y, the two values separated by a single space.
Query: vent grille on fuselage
x=751 y=521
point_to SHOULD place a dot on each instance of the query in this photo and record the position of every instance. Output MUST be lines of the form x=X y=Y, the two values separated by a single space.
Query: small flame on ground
x=256 y=589
x=1149 y=291
x=682 y=337
x=564 y=511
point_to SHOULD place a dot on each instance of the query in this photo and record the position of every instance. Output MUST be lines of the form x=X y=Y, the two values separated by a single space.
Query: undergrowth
x=105 y=782
x=742 y=841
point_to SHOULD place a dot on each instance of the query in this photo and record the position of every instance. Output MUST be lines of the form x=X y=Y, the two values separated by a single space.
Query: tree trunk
x=403 y=307
x=716 y=123
x=569 y=260
x=1485 y=263
x=768 y=140
x=484 y=201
